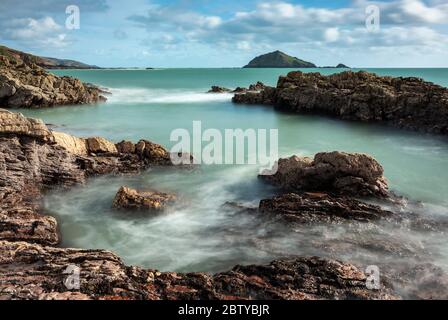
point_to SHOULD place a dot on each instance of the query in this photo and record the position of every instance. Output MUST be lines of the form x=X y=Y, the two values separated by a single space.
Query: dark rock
x=409 y=103
x=217 y=89
x=31 y=271
x=320 y=207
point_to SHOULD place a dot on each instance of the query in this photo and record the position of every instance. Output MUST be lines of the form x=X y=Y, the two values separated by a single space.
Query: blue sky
x=206 y=33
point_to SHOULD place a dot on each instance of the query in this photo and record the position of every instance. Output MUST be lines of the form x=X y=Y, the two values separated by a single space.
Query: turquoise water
x=199 y=234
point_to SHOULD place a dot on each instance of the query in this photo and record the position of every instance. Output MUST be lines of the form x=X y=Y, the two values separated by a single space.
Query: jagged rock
x=16 y=123
x=217 y=89
x=153 y=152
x=151 y=201
x=72 y=144
x=320 y=207
x=409 y=103
x=99 y=145
x=33 y=159
x=125 y=147
x=23 y=84
x=334 y=172
x=31 y=271
x=257 y=87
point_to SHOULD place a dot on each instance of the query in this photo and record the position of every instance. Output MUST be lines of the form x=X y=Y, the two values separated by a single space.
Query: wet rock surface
x=409 y=103
x=142 y=200
x=23 y=84
x=34 y=160
x=336 y=172
x=31 y=271
x=322 y=208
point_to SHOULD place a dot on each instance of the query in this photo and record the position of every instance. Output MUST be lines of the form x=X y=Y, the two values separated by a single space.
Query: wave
x=142 y=95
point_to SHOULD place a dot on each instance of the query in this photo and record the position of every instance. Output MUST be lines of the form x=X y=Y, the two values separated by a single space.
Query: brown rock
x=334 y=172
x=31 y=271
x=74 y=145
x=23 y=84
x=125 y=147
x=151 y=201
x=101 y=145
x=16 y=124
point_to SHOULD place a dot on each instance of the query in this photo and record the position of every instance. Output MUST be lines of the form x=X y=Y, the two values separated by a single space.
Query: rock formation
x=150 y=201
x=257 y=87
x=320 y=207
x=337 y=173
x=104 y=276
x=23 y=84
x=409 y=103
x=218 y=89
x=33 y=160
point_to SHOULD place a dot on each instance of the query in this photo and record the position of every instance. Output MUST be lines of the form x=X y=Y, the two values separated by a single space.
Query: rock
x=153 y=152
x=33 y=160
x=72 y=144
x=321 y=208
x=23 y=84
x=257 y=87
x=409 y=103
x=239 y=90
x=100 y=145
x=16 y=124
x=217 y=89
x=151 y=201
x=337 y=173
x=32 y=271
x=125 y=147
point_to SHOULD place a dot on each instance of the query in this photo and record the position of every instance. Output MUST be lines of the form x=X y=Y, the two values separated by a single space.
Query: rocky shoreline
x=23 y=84
x=408 y=103
x=35 y=159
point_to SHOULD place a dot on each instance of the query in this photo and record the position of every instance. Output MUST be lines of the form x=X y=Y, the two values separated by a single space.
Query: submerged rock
x=409 y=103
x=336 y=172
x=321 y=207
x=127 y=198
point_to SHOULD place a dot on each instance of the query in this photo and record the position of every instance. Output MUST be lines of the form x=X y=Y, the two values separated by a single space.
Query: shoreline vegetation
x=330 y=188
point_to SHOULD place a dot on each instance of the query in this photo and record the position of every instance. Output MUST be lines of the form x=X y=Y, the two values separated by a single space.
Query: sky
x=216 y=33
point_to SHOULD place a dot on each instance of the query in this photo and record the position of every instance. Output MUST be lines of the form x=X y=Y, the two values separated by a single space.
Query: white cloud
x=331 y=35
x=36 y=32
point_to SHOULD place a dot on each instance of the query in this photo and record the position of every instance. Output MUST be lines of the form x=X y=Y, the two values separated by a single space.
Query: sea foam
x=143 y=95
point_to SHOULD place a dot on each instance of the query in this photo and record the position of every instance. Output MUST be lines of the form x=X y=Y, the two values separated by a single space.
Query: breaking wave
x=142 y=95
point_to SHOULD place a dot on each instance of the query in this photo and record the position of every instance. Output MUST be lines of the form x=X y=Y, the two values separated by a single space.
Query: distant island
x=278 y=59
x=45 y=62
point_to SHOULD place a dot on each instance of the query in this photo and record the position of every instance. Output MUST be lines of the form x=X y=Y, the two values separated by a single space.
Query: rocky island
x=278 y=59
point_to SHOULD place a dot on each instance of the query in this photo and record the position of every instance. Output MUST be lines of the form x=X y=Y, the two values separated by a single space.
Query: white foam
x=142 y=95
